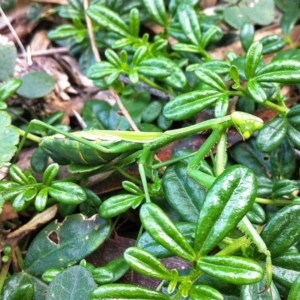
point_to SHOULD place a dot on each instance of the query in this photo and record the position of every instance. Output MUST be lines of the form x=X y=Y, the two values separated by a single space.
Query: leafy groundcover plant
x=232 y=214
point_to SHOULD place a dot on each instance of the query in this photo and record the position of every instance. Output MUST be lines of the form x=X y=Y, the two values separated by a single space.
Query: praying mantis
x=101 y=147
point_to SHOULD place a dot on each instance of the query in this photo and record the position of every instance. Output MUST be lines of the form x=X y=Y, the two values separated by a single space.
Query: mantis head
x=246 y=123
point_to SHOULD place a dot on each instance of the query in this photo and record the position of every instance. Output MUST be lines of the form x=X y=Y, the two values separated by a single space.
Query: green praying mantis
x=101 y=147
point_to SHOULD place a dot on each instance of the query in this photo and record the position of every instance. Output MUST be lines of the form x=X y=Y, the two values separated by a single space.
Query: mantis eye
x=245 y=123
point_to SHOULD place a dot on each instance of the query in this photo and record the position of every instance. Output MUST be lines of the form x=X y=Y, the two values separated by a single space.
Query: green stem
x=153 y=84
x=3 y=274
x=275 y=202
x=275 y=107
x=32 y=137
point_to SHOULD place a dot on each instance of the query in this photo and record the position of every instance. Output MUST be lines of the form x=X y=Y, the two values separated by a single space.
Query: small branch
x=51 y=51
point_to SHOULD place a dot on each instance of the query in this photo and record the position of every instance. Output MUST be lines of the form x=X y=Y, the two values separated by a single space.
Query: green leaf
x=17 y=175
x=36 y=85
x=256 y=91
x=293 y=135
x=253 y=59
x=152 y=111
x=189 y=23
x=256 y=215
x=134 y=22
x=212 y=79
x=118 y=204
x=281 y=232
x=100 y=70
x=9 y=138
x=261 y=12
x=186 y=48
x=283 y=160
x=272 y=43
x=234 y=16
x=294 y=291
x=284 y=276
x=247 y=35
x=163 y=230
x=182 y=193
x=66 y=31
x=147 y=243
x=19 y=286
x=157 y=10
x=8 y=56
x=108 y=19
x=73 y=283
x=9 y=88
x=41 y=199
x=111 y=272
x=254 y=291
x=128 y=291
x=289 y=18
x=113 y=58
x=155 y=67
x=146 y=264
x=188 y=104
x=282 y=71
x=293 y=116
x=59 y=245
x=204 y=292
x=50 y=173
x=274 y=132
x=67 y=192
x=139 y=55
x=233 y=269
x=39 y=160
x=224 y=207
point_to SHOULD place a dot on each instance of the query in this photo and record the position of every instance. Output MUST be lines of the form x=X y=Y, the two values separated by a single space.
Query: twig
x=98 y=59
x=12 y=30
x=46 y=52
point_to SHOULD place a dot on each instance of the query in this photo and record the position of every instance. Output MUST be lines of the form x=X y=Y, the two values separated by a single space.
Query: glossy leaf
x=182 y=193
x=67 y=192
x=281 y=232
x=147 y=243
x=163 y=230
x=100 y=70
x=294 y=291
x=156 y=8
x=111 y=272
x=256 y=215
x=204 y=292
x=284 y=276
x=233 y=269
x=113 y=58
x=293 y=116
x=39 y=160
x=17 y=174
x=256 y=91
x=139 y=55
x=283 y=160
x=155 y=67
x=50 y=173
x=285 y=71
x=253 y=58
x=108 y=19
x=293 y=135
x=134 y=22
x=189 y=23
x=9 y=88
x=212 y=79
x=273 y=132
x=247 y=35
x=56 y=246
x=118 y=204
x=272 y=43
x=73 y=283
x=41 y=199
x=224 y=207
x=146 y=264
x=152 y=111
x=188 y=104
x=128 y=291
